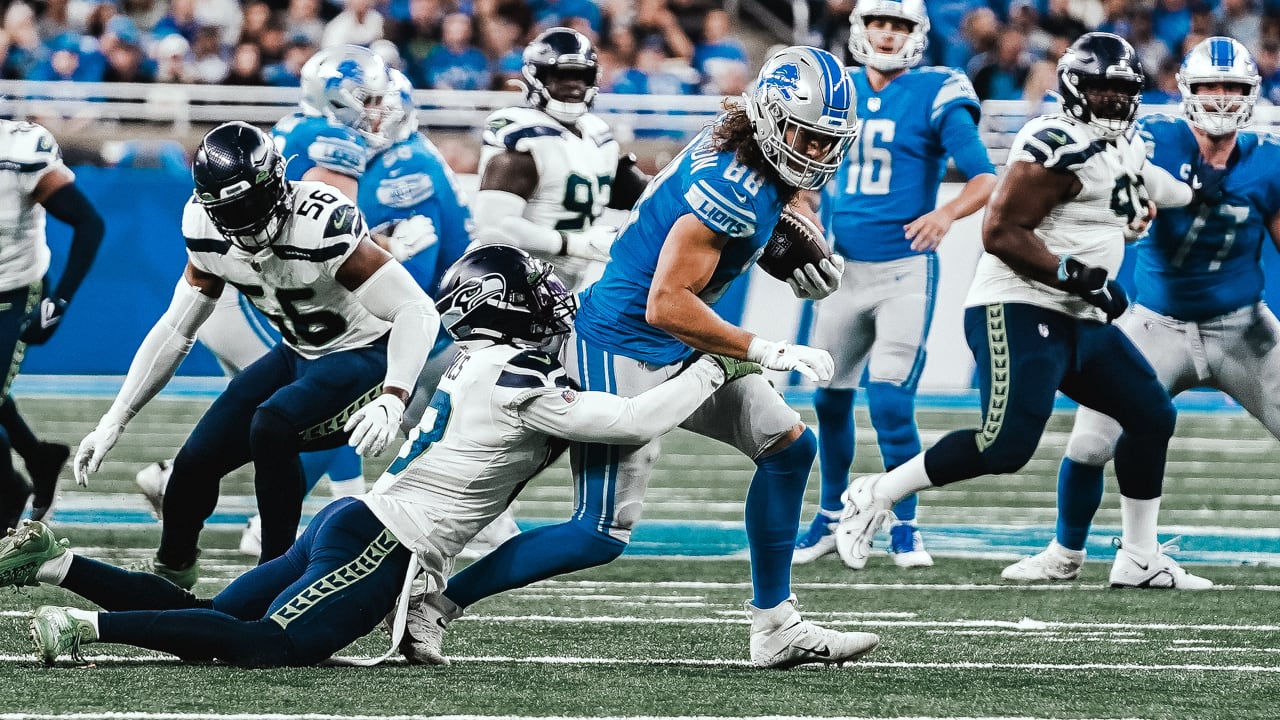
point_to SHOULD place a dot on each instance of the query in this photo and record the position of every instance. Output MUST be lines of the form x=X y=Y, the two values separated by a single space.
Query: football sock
x=835 y=443
x=21 y=437
x=199 y=634
x=893 y=415
x=114 y=588
x=1079 y=495
x=773 y=507
x=55 y=571
x=1138 y=520
x=904 y=480
x=277 y=480
x=89 y=616
x=537 y=555
x=905 y=509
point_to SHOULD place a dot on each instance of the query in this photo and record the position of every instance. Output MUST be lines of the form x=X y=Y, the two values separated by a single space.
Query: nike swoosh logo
x=440 y=622
x=1058 y=137
x=1140 y=565
x=1196 y=184
x=823 y=651
x=46 y=314
x=741 y=197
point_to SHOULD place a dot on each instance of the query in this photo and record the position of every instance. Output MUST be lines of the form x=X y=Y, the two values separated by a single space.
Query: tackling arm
x=607 y=418
x=1163 y=188
x=629 y=183
x=348 y=184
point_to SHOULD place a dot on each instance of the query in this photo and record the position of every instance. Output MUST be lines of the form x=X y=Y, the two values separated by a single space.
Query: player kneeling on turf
x=502 y=412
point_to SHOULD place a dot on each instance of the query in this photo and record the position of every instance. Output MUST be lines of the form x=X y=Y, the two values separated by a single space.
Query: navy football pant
x=337 y=582
x=273 y=409
x=14 y=432
x=1025 y=354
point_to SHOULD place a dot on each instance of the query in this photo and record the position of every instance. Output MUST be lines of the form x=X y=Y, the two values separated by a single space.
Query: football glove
x=733 y=368
x=411 y=236
x=591 y=244
x=1091 y=285
x=812 y=363
x=1208 y=183
x=93 y=449
x=373 y=426
x=37 y=326
x=814 y=282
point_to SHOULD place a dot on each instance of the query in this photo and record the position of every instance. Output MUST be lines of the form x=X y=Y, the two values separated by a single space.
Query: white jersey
x=293 y=281
x=28 y=152
x=1089 y=227
x=575 y=173
x=481 y=452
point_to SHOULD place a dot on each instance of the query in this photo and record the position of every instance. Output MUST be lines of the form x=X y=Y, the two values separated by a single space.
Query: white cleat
x=1054 y=563
x=251 y=537
x=781 y=640
x=818 y=540
x=423 y=640
x=864 y=513
x=1155 y=571
x=498 y=531
x=152 y=480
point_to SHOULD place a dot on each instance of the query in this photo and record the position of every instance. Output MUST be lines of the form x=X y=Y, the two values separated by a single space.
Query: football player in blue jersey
x=1198 y=316
x=1039 y=312
x=701 y=223
x=882 y=212
x=327 y=140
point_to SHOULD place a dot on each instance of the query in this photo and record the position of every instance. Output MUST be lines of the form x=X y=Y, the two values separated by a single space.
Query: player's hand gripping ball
x=796 y=242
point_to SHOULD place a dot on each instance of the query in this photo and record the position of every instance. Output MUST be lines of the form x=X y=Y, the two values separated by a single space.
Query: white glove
x=816 y=282
x=93 y=449
x=411 y=236
x=373 y=426
x=812 y=363
x=592 y=244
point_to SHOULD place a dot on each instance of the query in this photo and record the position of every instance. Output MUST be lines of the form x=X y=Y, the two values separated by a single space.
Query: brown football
x=796 y=242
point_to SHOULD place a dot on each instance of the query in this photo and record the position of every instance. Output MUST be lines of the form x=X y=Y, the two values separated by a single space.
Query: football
x=796 y=242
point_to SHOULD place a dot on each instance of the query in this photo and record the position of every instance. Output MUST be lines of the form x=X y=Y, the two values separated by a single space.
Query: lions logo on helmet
x=499 y=292
x=556 y=51
x=803 y=113
x=1219 y=61
x=909 y=53
x=239 y=180
x=1100 y=80
x=348 y=84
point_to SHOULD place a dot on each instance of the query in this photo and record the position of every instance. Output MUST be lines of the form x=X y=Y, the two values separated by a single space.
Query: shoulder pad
x=31 y=148
x=533 y=369
x=954 y=90
x=722 y=206
x=1058 y=144
x=596 y=128
x=513 y=128
x=199 y=233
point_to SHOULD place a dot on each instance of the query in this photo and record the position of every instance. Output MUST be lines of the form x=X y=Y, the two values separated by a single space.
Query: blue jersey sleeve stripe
x=725 y=203
x=954 y=93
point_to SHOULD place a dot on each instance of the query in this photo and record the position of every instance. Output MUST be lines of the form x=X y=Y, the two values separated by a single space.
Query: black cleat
x=13 y=500
x=44 y=468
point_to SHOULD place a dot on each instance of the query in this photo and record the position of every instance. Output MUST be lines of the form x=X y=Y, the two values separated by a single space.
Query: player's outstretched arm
x=60 y=196
x=155 y=362
x=389 y=292
x=608 y=418
x=1023 y=198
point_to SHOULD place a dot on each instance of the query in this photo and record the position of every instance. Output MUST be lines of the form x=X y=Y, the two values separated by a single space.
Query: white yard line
x=326 y=716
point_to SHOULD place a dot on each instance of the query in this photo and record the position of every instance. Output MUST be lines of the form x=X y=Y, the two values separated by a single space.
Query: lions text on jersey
x=1089 y=227
x=412 y=178
x=292 y=282
x=308 y=141
x=891 y=175
x=575 y=171
x=28 y=152
x=727 y=197
x=1202 y=261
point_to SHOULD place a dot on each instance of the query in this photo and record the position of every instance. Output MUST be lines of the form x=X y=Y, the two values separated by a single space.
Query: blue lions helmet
x=803 y=111
x=400 y=116
x=347 y=84
x=1219 y=61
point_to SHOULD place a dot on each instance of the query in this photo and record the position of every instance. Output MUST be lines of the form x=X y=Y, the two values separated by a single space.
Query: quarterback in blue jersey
x=703 y=221
x=1198 y=316
x=882 y=212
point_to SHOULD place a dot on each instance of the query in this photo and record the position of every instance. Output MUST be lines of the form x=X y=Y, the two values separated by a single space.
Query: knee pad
x=1090 y=447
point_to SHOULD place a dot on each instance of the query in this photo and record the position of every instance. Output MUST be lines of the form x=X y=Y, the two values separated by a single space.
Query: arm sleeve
x=959 y=134
x=391 y=294
x=69 y=205
x=501 y=220
x=161 y=351
x=1164 y=189
x=607 y=418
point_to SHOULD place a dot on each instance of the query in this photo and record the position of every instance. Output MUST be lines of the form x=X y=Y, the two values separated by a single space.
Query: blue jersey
x=307 y=141
x=727 y=197
x=412 y=178
x=892 y=172
x=1200 y=261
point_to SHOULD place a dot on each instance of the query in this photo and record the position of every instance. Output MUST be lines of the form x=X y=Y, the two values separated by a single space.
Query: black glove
x=38 y=325
x=1091 y=284
x=1208 y=183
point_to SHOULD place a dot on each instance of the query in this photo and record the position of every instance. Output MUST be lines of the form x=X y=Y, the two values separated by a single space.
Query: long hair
x=733 y=133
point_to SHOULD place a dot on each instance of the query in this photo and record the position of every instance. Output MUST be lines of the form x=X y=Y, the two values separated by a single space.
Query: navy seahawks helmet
x=501 y=293
x=559 y=50
x=1100 y=81
x=239 y=180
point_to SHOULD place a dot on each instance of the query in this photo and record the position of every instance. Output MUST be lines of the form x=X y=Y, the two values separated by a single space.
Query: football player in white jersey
x=1039 y=312
x=504 y=409
x=355 y=326
x=34 y=182
x=549 y=170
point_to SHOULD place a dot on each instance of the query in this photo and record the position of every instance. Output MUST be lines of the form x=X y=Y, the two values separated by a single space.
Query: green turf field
x=668 y=636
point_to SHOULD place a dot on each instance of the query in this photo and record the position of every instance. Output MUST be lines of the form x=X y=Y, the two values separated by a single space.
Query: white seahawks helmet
x=400 y=116
x=803 y=96
x=1219 y=60
x=913 y=43
x=347 y=84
